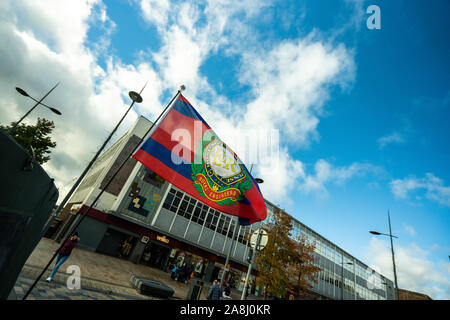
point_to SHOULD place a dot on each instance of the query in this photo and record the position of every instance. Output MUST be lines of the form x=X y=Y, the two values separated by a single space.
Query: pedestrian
x=214 y=292
x=191 y=271
x=183 y=273
x=227 y=291
x=64 y=253
x=174 y=272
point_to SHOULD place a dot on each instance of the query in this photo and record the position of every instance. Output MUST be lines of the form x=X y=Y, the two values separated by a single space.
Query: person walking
x=63 y=254
x=214 y=292
x=227 y=291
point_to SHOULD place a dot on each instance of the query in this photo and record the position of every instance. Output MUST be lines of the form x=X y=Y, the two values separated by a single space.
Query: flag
x=186 y=152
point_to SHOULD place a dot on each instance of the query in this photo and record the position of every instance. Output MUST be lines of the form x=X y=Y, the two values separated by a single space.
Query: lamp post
x=136 y=98
x=85 y=214
x=38 y=102
x=342 y=276
x=392 y=251
x=259 y=181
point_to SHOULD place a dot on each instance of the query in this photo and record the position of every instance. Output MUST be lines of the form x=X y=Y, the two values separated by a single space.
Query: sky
x=361 y=114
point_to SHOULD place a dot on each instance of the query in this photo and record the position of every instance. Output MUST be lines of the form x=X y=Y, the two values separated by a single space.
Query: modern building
x=143 y=218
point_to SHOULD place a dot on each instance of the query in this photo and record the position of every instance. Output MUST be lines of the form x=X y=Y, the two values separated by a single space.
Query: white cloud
x=290 y=81
x=409 y=230
x=434 y=188
x=415 y=270
x=45 y=42
x=326 y=173
x=394 y=137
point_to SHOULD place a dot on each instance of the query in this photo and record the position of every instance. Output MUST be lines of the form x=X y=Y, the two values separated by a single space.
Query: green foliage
x=284 y=263
x=36 y=136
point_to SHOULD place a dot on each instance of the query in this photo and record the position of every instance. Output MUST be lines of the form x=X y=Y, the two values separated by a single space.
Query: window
x=168 y=201
x=183 y=207
x=203 y=213
x=190 y=208
x=231 y=229
x=211 y=219
x=242 y=234
x=196 y=211
x=172 y=200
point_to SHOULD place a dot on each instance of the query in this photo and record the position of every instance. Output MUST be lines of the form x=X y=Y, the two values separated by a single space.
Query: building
x=147 y=220
x=411 y=295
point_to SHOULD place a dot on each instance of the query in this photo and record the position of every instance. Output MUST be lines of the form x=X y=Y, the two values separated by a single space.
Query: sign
x=263 y=240
x=162 y=239
x=145 y=239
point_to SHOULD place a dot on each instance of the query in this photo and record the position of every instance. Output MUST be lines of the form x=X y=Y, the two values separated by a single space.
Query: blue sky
x=362 y=114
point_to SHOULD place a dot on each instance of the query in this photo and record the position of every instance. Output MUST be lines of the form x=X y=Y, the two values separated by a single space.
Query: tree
x=285 y=264
x=36 y=136
x=302 y=269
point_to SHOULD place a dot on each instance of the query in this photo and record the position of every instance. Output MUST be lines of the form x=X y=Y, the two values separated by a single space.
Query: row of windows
x=361 y=291
x=196 y=211
x=328 y=250
x=367 y=294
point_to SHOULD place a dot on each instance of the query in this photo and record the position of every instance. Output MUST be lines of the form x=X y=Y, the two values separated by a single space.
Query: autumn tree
x=301 y=268
x=284 y=263
x=36 y=136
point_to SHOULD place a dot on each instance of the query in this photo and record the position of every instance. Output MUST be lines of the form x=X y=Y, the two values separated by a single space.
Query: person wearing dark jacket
x=63 y=254
x=214 y=292
x=227 y=291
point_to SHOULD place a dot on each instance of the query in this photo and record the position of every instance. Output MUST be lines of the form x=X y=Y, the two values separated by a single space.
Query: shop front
x=116 y=243
x=155 y=255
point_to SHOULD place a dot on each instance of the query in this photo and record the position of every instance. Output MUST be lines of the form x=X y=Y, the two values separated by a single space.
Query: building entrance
x=116 y=243
x=155 y=256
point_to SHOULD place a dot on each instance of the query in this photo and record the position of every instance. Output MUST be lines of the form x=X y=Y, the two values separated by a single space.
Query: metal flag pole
x=135 y=97
x=84 y=215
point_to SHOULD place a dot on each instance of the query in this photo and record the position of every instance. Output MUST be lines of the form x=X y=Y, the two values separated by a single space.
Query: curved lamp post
x=135 y=98
x=392 y=251
x=38 y=102
x=252 y=259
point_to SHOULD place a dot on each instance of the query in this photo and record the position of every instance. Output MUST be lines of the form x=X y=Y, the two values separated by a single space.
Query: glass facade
x=342 y=276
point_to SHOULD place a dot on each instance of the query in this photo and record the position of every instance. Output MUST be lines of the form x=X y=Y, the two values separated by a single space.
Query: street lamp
x=252 y=259
x=342 y=276
x=392 y=250
x=135 y=98
x=25 y=94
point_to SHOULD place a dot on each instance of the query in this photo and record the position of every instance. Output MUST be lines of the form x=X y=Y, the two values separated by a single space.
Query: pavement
x=102 y=277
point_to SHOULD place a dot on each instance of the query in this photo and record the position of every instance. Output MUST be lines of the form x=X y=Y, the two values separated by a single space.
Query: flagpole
x=84 y=215
x=135 y=98
x=228 y=255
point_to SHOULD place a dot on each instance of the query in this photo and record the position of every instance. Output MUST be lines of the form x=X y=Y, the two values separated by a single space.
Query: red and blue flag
x=185 y=151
